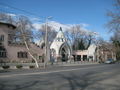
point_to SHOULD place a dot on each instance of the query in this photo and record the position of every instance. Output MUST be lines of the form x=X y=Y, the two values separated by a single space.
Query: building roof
x=9 y=24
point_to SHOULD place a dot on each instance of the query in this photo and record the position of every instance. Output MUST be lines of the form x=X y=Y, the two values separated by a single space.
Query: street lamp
x=46 y=41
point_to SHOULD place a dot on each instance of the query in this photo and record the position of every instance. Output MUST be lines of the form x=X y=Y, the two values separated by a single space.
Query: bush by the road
x=19 y=66
x=5 y=67
x=31 y=66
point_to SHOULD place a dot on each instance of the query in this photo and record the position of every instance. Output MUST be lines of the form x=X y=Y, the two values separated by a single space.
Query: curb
x=79 y=64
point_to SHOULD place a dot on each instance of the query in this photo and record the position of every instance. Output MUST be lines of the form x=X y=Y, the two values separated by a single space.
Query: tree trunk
x=28 y=49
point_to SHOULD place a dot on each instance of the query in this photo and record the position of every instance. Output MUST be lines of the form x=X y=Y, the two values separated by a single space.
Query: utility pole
x=46 y=42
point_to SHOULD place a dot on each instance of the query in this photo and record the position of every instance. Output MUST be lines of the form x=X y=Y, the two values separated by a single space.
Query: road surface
x=87 y=77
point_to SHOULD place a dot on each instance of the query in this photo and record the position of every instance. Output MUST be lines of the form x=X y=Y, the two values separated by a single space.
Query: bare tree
x=114 y=26
x=24 y=26
x=40 y=34
x=41 y=37
x=104 y=49
x=79 y=38
x=114 y=16
x=72 y=34
x=6 y=18
x=90 y=38
x=116 y=43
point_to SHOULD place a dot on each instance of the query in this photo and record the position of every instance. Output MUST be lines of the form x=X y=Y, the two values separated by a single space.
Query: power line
x=22 y=10
x=3 y=4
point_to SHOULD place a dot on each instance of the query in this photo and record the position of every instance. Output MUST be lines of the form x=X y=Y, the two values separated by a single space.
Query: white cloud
x=37 y=26
x=35 y=19
x=56 y=25
x=84 y=25
x=11 y=14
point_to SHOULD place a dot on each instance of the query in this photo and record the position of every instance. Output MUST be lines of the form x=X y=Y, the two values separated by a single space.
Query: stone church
x=60 y=47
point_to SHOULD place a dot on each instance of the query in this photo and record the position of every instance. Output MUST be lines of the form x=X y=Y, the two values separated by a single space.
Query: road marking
x=40 y=73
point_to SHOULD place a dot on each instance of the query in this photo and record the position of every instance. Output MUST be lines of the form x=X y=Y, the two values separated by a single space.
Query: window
x=40 y=57
x=2 y=52
x=1 y=37
x=19 y=54
x=84 y=57
x=62 y=39
x=90 y=58
x=22 y=55
x=58 y=39
x=78 y=57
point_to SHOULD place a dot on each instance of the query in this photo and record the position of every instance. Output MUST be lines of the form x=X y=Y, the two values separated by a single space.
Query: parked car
x=109 y=61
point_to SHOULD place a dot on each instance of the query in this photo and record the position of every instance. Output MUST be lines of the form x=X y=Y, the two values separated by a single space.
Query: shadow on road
x=61 y=81
x=91 y=81
x=24 y=86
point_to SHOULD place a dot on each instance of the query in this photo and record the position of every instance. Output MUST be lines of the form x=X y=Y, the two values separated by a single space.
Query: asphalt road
x=87 y=77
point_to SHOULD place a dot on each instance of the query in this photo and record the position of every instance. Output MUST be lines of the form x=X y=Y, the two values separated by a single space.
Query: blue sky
x=91 y=12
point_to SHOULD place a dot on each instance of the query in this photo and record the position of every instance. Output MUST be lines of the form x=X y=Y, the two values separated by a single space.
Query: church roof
x=60 y=34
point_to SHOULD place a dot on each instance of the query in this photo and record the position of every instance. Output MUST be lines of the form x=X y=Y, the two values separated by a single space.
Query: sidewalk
x=26 y=65
x=74 y=63
x=49 y=68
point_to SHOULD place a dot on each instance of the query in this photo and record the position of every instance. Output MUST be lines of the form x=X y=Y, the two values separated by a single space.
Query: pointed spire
x=60 y=28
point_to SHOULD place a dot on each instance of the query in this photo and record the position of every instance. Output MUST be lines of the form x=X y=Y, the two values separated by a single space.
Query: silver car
x=109 y=61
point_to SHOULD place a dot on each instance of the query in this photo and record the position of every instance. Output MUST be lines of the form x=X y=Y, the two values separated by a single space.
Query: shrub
x=5 y=67
x=31 y=66
x=19 y=66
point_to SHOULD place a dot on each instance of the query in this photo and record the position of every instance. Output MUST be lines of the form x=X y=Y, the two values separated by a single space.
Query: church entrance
x=64 y=54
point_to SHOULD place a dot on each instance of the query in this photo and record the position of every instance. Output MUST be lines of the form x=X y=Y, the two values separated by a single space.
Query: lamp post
x=46 y=41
